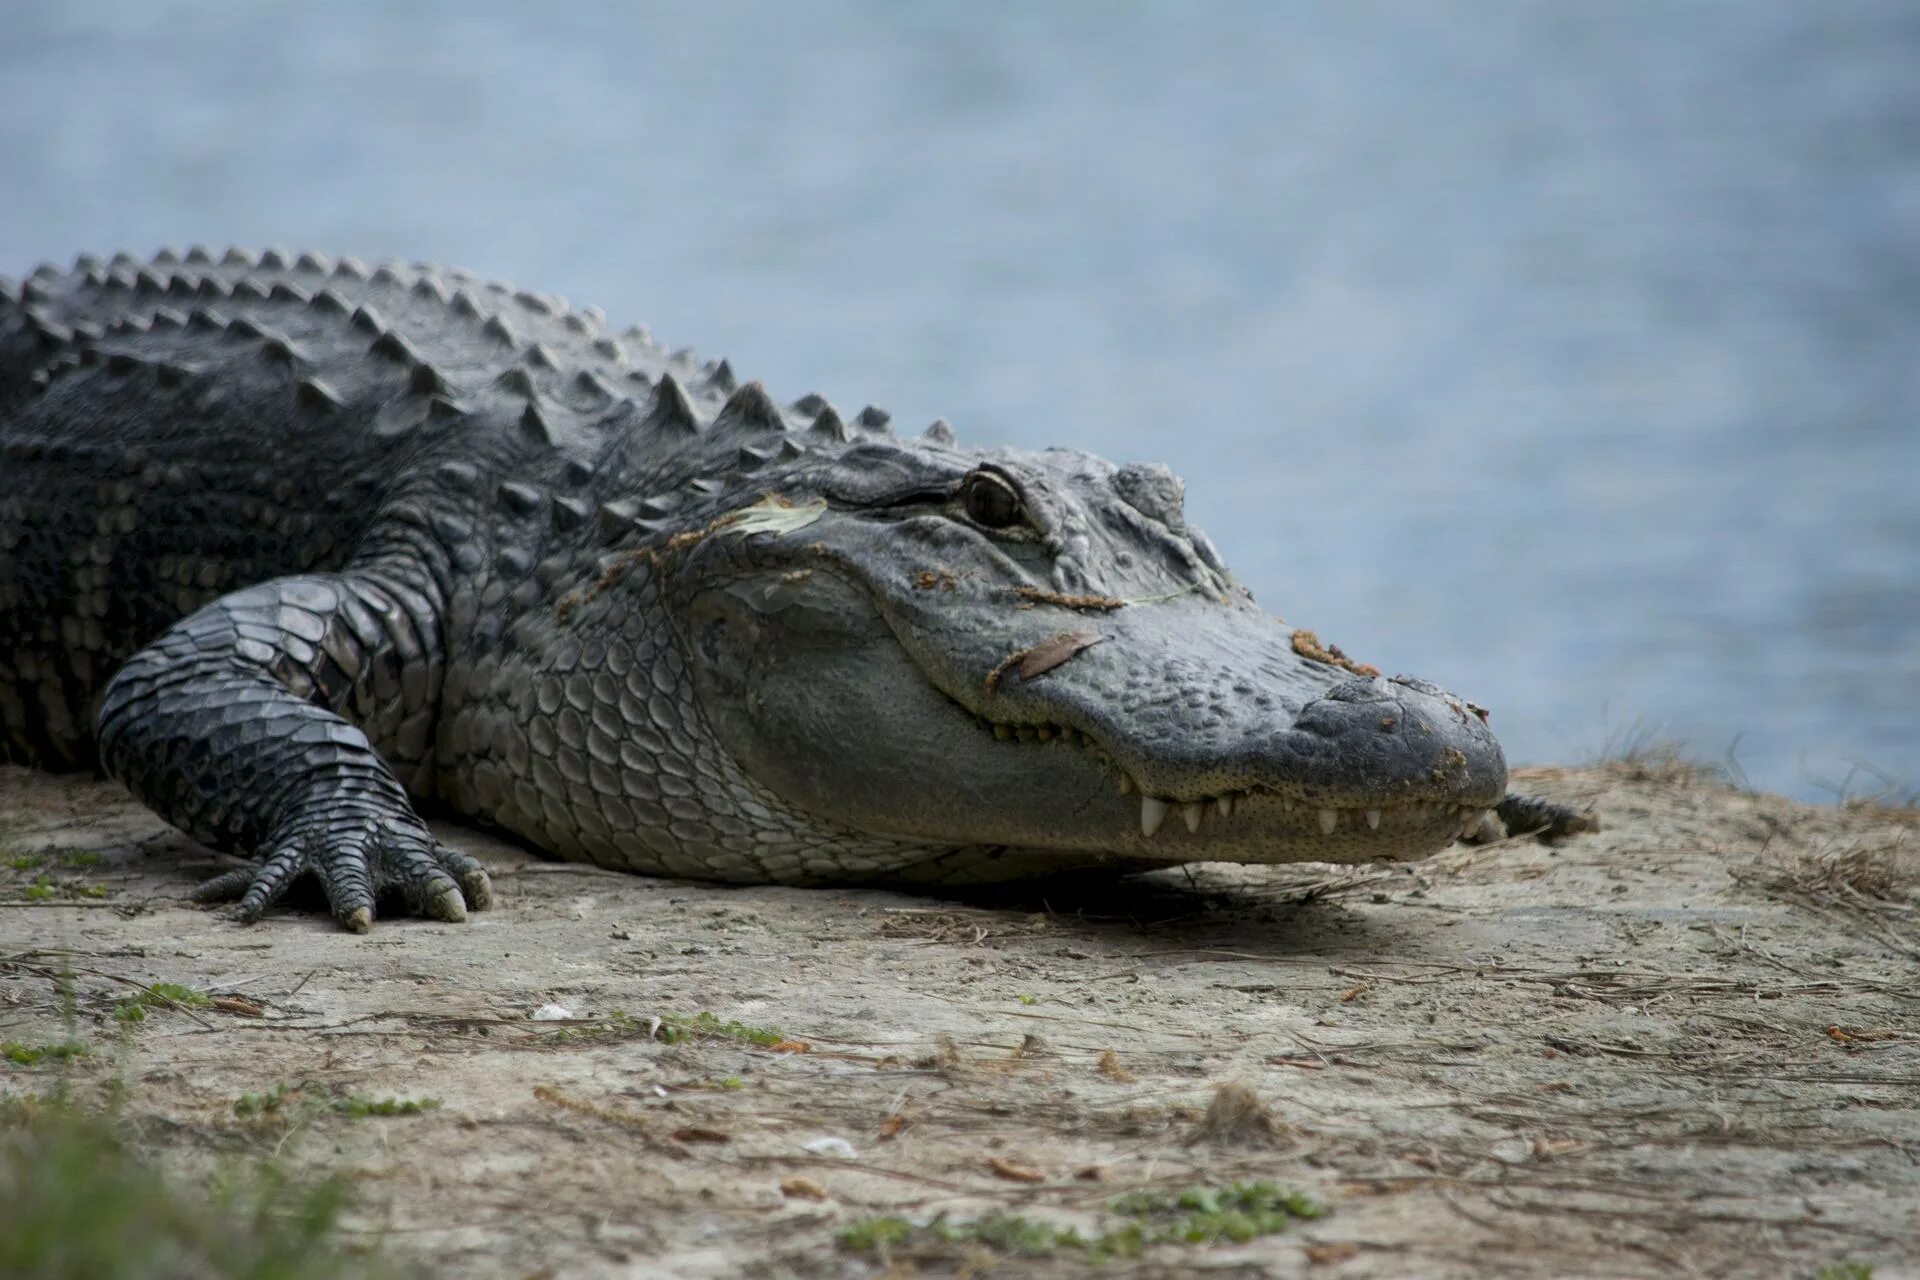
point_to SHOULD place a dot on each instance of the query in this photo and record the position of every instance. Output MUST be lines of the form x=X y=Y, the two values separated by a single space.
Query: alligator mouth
x=1392 y=822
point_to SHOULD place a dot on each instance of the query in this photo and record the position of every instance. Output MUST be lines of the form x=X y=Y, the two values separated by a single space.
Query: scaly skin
x=287 y=544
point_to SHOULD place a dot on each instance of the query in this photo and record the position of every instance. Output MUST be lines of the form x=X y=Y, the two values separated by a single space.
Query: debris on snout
x=1236 y=1115
x=552 y=1013
x=928 y=580
x=1308 y=645
x=830 y=1147
x=1098 y=604
x=1043 y=657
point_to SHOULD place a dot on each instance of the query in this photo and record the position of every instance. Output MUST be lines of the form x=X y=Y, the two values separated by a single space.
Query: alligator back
x=171 y=431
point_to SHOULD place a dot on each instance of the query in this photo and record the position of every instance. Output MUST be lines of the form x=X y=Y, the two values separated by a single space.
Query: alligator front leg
x=271 y=723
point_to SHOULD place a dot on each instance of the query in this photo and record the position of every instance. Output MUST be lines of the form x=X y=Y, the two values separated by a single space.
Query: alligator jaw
x=1324 y=815
x=1259 y=824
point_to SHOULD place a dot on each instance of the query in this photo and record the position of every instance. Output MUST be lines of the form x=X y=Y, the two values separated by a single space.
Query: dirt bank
x=1688 y=1045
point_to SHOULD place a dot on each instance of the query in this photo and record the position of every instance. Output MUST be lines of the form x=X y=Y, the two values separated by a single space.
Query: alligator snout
x=1402 y=735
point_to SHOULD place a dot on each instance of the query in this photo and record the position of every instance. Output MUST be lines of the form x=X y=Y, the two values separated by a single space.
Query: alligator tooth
x=1003 y=733
x=1153 y=812
x=1373 y=819
x=1224 y=803
x=1191 y=812
x=1286 y=804
x=1044 y=733
x=1126 y=784
x=1328 y=821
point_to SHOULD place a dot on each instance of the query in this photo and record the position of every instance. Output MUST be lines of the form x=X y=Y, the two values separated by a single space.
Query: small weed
x=358 y=1106
x=161 y=995
x=618 y=1025
x=80 y=1202
x=44 y=887
x=1198 y=1216
x=1024 y=998
x=1844 y=1271
x=249 y=1105
x=32 y=1055
x=1239 y=1212
x=703 y=1025
x=280 y=1102
x=869 y=1234
x=728 y=1083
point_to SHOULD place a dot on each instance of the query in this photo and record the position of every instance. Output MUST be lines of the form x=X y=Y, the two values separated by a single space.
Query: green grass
x=78 y=1203
x=357 y=1106
x=287 y=1101
x=869 y=1234
x=32 y=1055
x=1196 y=1217
x=161 y=995
x=703 y=1025
x=43 y=887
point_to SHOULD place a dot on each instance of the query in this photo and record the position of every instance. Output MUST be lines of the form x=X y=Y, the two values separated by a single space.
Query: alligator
x=293 y=546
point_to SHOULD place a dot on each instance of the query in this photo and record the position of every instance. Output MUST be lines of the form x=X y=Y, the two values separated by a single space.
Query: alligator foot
x=356 y=861
x=1519 y=815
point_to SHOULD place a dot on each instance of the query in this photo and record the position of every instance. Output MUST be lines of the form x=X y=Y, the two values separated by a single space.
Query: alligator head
x=1034 y=650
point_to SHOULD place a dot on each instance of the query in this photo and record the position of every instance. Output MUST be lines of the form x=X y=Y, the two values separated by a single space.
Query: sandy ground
x=1689 y=1045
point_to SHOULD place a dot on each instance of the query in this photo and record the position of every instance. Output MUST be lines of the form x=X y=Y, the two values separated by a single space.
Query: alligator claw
x=374 y=856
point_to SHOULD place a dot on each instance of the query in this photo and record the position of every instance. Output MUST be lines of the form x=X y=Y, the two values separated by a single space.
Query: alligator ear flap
x=670 y=411
x=751 y=409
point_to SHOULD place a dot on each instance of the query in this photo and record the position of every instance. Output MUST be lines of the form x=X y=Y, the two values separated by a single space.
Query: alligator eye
x=990 y=501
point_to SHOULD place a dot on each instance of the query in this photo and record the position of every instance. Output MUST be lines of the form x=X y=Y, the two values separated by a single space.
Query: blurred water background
x=1566 y=354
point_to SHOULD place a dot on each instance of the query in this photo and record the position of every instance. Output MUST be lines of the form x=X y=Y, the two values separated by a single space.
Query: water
x=1567 y=355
